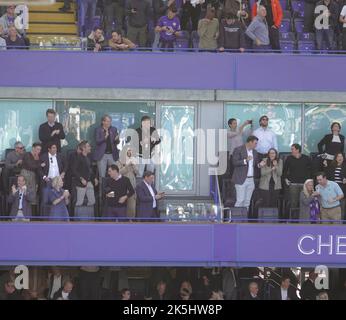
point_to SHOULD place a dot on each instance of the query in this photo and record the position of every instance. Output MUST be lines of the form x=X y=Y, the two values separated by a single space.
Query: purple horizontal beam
x=172 y=244
x=158 y=70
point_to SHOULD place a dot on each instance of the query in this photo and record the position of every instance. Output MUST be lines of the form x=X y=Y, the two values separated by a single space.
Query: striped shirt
x=337 y=175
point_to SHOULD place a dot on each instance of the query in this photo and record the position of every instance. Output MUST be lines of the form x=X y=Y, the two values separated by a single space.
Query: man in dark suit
x=106 y=152
x=147 y=197
x=285 y=291
x=51 y=131
x=66 y=292
x=21 y=199
x=245 y=162
x=309 y=291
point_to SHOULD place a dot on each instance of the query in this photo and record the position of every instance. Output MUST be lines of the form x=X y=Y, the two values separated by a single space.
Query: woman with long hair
x=270 y=181
x=309 y=202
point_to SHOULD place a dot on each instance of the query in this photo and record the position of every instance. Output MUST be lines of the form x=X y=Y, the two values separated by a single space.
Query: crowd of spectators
x=311 y=187
x=112 y=283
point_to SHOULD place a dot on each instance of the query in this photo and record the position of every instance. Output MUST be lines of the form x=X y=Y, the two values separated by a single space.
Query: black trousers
x=309 y=16
x=274 y=38
x=344 y=39
x=190 y=12
x=89 y=285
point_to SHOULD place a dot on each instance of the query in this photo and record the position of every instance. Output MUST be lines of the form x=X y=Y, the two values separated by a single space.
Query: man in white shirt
x=266 y=138
x=66 y=292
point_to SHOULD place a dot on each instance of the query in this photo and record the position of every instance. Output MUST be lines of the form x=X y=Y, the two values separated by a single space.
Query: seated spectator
x=83 y=173
x=56 y=279
x=258 y=30
x=59 y=199
x=285 y=291
x=31 y=170
x=309 y=291
x=330 y=194
x=309 y=202
x=231 y=34
x=208 y=31
x=333 y=143
x=185 y=291
x=117 y=189
x=147 y=197
x=8 y=20
x=161 y=291
x=2 y=40
x=118 y=42
x=13 y=163
x=21 y=199
x=128 y=167
x=252 y=292
x=336 y=171
x=325 y=28
x=270 y=181
x=169 y=27
x=216 y=295
x=66 y=292
x=323 y=296
x=138 y=13
x=96 y=40
x=9 y=292
x=297 y=169
x=13 y=40
x=125 y=294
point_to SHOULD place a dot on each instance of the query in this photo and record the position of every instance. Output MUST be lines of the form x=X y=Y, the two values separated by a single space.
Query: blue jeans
x=327 y=35
x=87 y=14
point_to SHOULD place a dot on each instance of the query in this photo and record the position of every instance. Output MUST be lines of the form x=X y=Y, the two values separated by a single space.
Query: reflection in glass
x=19 y=121
x=177 y=148
x=80 y=118
x=284 y=119
x=318 y=118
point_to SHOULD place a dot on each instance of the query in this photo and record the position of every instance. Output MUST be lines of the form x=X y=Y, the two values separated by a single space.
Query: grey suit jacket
x=240 y=167
x=27 y=200
x=266 y=174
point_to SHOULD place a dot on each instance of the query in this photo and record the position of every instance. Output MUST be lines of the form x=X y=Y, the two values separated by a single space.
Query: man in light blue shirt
x=266 y=138
x=330 y=195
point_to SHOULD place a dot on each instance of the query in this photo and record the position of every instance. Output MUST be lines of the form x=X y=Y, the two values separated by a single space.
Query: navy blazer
x=144 y=201
x=61 y=163
x=101 y=143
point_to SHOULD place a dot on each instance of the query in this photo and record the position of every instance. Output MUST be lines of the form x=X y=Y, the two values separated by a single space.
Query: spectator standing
x=51 y=131
x=8 y=19
x=208 y=30
x=239 y=9
x=21 y=199
x=119 y=43
x=231 y=34
x=168 y=26
x=342 y=19
x=297 y=169
x=147 y=197
x=258 y=30
x=266 y=138
x=245 y=161
x=273 y=18
x=114 y=11
x=161 y=291
x=66 y=292
x=138 y=12
x=309 y=15
x=89 y=283
x=191 y=9
x=59 y=199
x=117 y=190
x=309 y=204
x=87 y=14
x=325 y=31
x=96 y=40
x=330 y=194
x=106 y=151
x=128 y=167
x=309 y=291
x=270 y=181
x=229 y=283
x=56 y=280
x=333 y=143
x=285 y=291
x=66 y=7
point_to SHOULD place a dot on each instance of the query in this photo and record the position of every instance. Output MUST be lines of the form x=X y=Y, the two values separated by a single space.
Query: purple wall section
x=172 y=244
x=280 y=72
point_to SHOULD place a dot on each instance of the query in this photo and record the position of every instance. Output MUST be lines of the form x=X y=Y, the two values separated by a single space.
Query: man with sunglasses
x=266 y=138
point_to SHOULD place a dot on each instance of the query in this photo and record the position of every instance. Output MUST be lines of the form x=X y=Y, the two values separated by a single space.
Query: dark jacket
x=82 y=169
x=233 y=7
x=61 y=163
x=276 y=294
x=58 y=295
x=333 y=8
x=121 y=187
x=101 y=143
x=143 y=14
x=144 y=200
x=92 y=42
x=45 y=137
x=240 y=167
x=326 y=145
x=13 y=199
x=248 y=296
x=309 y=291
x=231 y=36
x=153 y=133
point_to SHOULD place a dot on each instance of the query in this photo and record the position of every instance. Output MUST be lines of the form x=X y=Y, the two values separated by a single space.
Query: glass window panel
x=177 y=148
x=318 y=118
x=20 y=120
x=80 y=118
x=284 y=119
